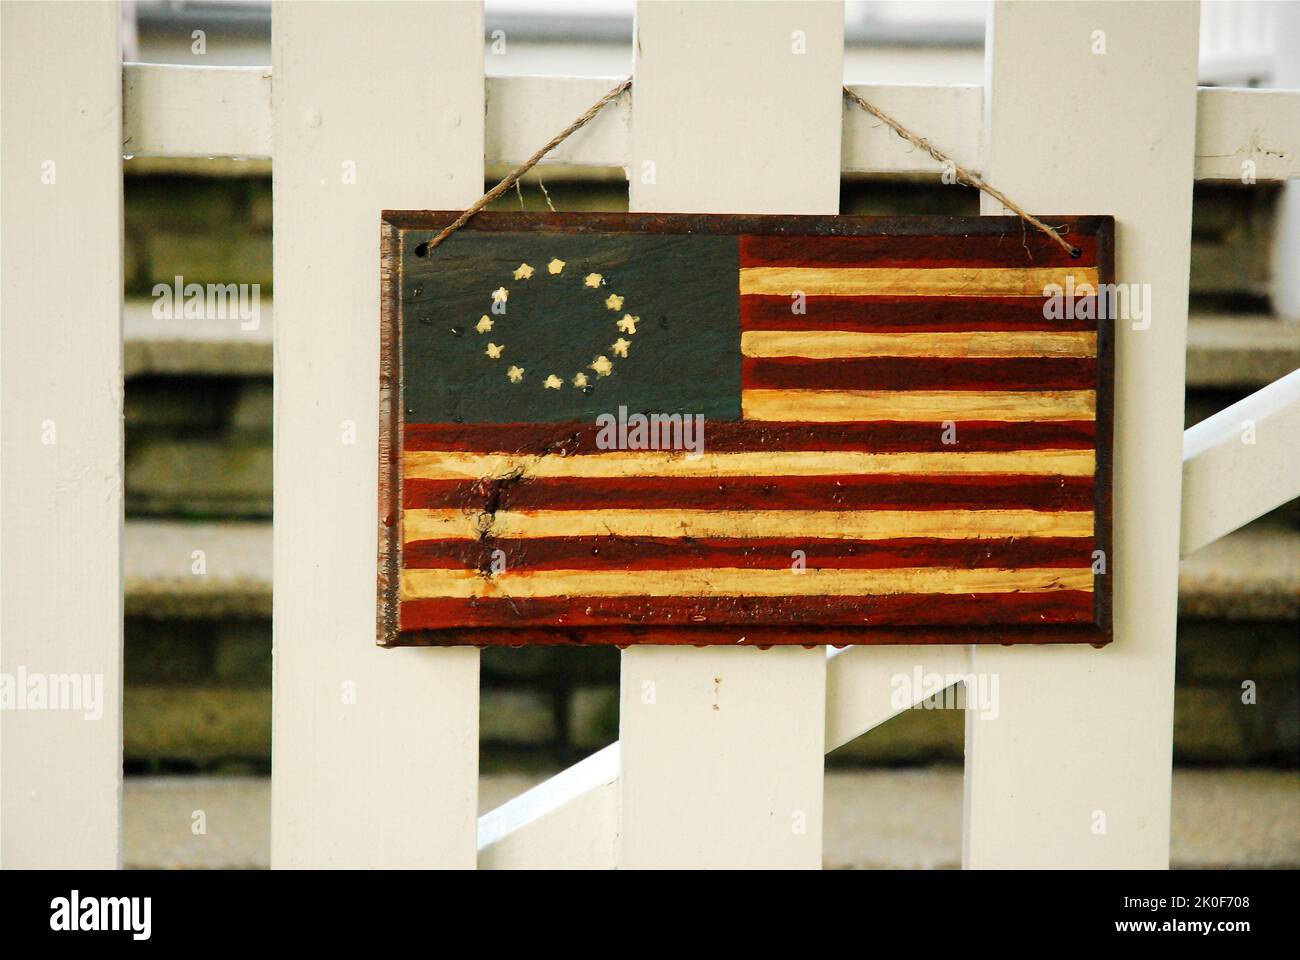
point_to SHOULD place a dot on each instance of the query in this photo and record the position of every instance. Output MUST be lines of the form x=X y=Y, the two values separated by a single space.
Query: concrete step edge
x=193 y=347
x=178 y=570
x=1240 y=350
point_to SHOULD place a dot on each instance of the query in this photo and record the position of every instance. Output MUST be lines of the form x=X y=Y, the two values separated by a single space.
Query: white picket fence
x=720 y=757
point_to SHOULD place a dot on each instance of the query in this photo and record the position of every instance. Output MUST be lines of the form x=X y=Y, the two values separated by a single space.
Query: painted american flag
x=904 y=440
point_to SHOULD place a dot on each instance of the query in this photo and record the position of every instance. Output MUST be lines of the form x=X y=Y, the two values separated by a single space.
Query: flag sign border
x=402 y=227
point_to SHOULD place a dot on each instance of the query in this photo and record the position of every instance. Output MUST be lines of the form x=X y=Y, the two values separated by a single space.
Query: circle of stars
x=601 y=365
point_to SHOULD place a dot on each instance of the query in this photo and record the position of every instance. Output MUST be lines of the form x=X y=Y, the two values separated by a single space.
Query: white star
x=494 y=351
x=523 y=272
x=555 y=266
x=553 y=382
x=580 y=380
x=593 y=280
x=484 y=324
x=614 y=302
x=500 y=295
x=619 y=347
x=515 y=374
x=602 y=366
x=628 y=324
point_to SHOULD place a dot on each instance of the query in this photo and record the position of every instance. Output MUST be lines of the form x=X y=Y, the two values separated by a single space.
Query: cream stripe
x=913 y=282
x=834 y=344
x=739 y=582
x=843 y=406
x=457 y=465
x=835 y=524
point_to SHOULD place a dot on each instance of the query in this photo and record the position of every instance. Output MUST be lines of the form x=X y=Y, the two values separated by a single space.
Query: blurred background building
x=199 y=474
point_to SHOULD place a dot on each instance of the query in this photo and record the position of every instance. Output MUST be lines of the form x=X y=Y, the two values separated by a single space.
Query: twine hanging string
x=513 y=176
x=964 y=175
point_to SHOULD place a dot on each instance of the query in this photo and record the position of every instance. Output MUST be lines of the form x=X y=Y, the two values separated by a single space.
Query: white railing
x=177 y=111
x=375 y=757
x=1241 y=463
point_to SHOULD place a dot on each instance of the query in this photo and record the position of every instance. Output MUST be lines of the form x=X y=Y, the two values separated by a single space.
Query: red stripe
x=672 y=553
x=904 y=314
x=1031 y=250
x=1056 y=607
x=848 y=492
x=920 y=373
x=720 y=436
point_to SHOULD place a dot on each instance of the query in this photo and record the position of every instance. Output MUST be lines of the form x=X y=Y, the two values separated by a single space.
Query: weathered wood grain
x=825 y=436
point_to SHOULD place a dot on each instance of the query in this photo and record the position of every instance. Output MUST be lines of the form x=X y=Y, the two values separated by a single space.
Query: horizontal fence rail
x=196 y=111
x=181 y=111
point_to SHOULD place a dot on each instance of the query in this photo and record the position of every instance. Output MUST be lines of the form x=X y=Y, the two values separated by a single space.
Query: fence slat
x=375 y=751
x=722 y=748
x=1075 y=769
x=61 y=299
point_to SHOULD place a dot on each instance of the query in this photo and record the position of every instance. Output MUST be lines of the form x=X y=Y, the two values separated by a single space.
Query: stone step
x=200 y=725
x=1232 y=239
x=199 y=447
x=197 y=571
x=180 y=347
x=200 y=477
x=1239 y=350
x=211 y=721
x=874 y=819
x=1253 y=574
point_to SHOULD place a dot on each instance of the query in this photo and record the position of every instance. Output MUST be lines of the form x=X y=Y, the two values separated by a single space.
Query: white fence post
x=1091 y=108
x=736 y=108
x=61 y=122
x=376 y=105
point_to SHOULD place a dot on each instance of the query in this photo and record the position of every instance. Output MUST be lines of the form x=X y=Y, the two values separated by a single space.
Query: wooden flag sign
x=744 y=430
